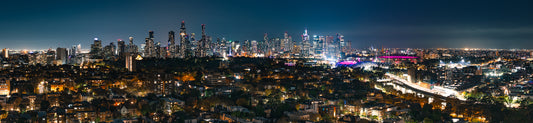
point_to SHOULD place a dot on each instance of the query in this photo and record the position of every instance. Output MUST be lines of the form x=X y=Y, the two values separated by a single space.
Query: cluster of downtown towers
x=324 y=47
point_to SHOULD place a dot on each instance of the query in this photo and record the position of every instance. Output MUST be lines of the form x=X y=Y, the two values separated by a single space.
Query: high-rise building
x=73 y=50
x=5 y=53
x=61 y=55
x=224 y=47
x=185 y=44
x=209 y=47
x=253 y=48
x=171 y=45
x=330 y=47
x=286 y=43
x=323 y=45
x=149 y=47
x=132 y=48
x=276 y=46
x=202 y=46
x=266 y=45
x=5 y=86
x=109 y=51
x=340 y=45
x=130 y=62
x=348 y=47
x=160 y=51
x=96 y=49
x=121 y=47
x=305 y=44
x=72 y=58
x=317 y=46
x=193 y=43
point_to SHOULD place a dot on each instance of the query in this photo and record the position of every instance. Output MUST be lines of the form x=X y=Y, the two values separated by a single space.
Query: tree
x=242 y=102
x=427 y=120
x=44 y=105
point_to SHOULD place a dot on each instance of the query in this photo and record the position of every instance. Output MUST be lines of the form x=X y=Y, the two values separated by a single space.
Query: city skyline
x=251 y=61
x=418 y=24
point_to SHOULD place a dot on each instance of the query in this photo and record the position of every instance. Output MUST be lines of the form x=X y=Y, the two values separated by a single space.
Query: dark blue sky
x=392 y=23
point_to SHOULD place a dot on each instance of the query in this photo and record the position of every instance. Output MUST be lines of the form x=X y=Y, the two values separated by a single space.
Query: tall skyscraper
x=130 y=62
x=5 y=53
x=149 y=48
x=72 y=58
x=276 y=46
x=253 y=48
x=185 y=44
x=109 y=51
x=121 y=47
x=340 y=45
x=317 y=46
x=323 y=45
x=209 y=46
x=132 y=48
x=305 y=44
x=286 y=43
x=61 y=55
x=331 y=47
x=224 y=47
x=96 y=49
x=193 y=43
x=171 y=45
x=73 y=50
x=202 y=44
x=266 y=45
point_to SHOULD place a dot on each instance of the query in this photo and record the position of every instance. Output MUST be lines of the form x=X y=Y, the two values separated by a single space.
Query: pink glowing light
x=399 y=57
x=348 y=62
x=290 y=64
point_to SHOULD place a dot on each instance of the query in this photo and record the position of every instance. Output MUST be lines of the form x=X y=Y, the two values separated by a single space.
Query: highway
x=436 y=89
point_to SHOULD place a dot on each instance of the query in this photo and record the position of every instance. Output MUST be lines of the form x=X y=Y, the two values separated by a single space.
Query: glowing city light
x=399 y=57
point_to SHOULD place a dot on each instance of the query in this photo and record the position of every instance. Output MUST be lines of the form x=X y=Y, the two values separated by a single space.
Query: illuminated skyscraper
x=130 y=62
x=305 y=44
x=5 y=53
x=286 y=43
x=276 y=46
x=202 y=44
x=266 y=45
x=317 y=46
x=209 y=46
x=185 y=44
x=149 y=48
x=253 y=47
x=96 y=49
x=223 y=47
x=323 y=45
x=109 y=51
x=193 y=44
x=72 y=59
x=121 y=47
x=330 y=47
x=340 y=45
x=61 y=55
x=171 y=45
x=132 y=48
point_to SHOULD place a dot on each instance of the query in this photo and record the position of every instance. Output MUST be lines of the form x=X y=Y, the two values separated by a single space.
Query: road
x=445 y=92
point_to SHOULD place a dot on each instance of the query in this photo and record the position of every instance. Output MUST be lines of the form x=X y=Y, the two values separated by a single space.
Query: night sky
x=396 y=23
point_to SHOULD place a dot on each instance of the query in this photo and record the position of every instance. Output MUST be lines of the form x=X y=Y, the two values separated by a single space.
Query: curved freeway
x=436 y=89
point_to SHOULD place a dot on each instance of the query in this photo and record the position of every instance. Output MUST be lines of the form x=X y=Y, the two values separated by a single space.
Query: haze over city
x=37 y=24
